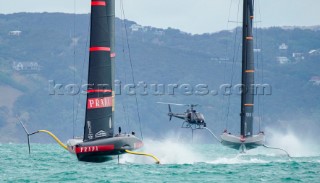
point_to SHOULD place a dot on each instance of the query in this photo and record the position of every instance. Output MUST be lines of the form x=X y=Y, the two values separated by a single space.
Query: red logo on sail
x=95 y=103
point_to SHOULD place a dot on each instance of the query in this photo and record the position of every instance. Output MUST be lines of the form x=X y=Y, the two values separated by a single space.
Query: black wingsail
x=247 y=140
x=247 y=96
x=99 y=122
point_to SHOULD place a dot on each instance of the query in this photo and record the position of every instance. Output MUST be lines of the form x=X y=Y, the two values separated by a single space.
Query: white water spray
x=169 y=151
x=296 y=146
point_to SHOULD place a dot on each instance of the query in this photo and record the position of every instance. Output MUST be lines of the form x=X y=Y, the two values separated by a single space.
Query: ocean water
x=180 y=162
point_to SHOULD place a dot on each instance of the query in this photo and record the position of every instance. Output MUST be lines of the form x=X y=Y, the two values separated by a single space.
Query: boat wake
x=173 y=150
x=291 y=142
x=239 y=160
x=169 y=151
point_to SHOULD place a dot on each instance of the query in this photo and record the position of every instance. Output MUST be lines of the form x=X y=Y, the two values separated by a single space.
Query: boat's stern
x=237 y=142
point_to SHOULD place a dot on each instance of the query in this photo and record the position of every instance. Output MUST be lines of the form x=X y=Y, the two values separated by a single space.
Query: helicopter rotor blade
x=172 y=103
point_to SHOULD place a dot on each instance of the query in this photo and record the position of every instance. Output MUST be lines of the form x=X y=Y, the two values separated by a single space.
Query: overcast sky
x=193 y=16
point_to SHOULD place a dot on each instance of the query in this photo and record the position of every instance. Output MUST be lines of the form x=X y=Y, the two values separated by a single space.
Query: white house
x=15 y=33
x=315 y=80
x=26 y=66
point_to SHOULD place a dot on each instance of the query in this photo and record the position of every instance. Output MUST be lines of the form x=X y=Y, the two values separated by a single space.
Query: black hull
x=242 y=144
x=105 y=149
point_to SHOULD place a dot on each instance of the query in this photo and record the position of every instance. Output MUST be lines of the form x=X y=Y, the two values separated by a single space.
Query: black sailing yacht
x=246 y=140
x=99 y=141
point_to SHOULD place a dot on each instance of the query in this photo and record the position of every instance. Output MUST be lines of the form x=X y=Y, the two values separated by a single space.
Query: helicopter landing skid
x=192 y=126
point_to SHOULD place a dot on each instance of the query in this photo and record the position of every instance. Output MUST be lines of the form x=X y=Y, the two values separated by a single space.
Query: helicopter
x=192 y=118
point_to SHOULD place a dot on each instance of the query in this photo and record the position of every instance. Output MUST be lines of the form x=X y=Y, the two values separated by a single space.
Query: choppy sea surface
x=179 y=163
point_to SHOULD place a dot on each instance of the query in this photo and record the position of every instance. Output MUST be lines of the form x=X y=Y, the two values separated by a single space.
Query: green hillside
x=160 y=56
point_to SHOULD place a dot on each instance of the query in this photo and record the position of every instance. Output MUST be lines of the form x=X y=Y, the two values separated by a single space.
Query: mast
x=99 y=119
x=247 y=96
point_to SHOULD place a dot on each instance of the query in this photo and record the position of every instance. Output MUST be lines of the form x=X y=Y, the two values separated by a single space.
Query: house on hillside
x=283 y=60
x=283 y=54
x=14 y=33
x=314 y=52
x=315 y=80
x=257 y=50
x=298 y=57
x=159 y=32
x=26 y=66
x=135 y=27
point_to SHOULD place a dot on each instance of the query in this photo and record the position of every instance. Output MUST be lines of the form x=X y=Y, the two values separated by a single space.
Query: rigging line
x=83 y=65
x=129 y=54
x=125 y=69
x=74 y=64
x=235 y=53
x=226 y=53
x=225 y=63
x=125 y=117
x=123 y=43
x=229 y=13
x=259 y=68
x=213 y=134
x=128 y=119
x=256 y=54
x=262 y=63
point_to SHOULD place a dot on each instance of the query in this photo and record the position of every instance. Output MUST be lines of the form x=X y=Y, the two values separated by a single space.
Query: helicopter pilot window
x=200 y=116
